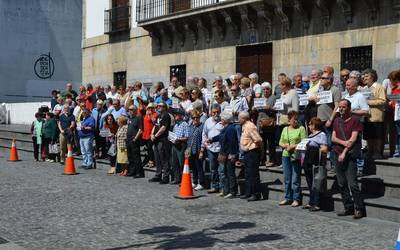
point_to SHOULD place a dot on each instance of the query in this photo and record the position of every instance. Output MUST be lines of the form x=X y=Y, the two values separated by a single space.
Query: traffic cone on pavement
x=398 y=242
x=186 y=190
x=13 y=152
x=69 y=168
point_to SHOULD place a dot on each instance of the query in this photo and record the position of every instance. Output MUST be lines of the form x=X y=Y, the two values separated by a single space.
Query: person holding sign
x=181 y=131
x=314 y=162
x=266 y=125
x=374 y=127
x=327 y=111
x=290 y=137
x=290 y=102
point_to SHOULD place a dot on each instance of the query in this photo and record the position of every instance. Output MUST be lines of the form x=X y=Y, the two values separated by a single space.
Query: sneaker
x=198 y=187
x=229 y=196
x=47 y=160
x=193 y=185
x=212 y=191
x=221 y=194
x=396 y=155
x=284 y=203
x=52 y=161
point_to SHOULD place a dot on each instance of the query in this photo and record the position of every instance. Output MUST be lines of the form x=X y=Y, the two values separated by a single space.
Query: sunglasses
x=325 y=78
x=131 y=109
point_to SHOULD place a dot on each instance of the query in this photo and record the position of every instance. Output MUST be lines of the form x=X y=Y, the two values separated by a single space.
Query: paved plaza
x=42 y=209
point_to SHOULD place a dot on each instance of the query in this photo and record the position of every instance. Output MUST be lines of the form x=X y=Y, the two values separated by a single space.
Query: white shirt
x=211 y=129
x=358 y=101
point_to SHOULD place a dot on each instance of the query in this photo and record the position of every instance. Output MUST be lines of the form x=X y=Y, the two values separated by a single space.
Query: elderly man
x=237 y=102
x=346 y=130
x=97 y=113
x=118 y=110
x=134 y=135
x=162 y=152
x=86 y=133
x=163 y=97
x=174 y=89
x=344 y=76
x=219 y=85
x=212 y=127
x=69 y=90
x=181 y=131
x=374 y=129
x=315 y=78
x=113 y=94
x=250 y=143
x=66 y=125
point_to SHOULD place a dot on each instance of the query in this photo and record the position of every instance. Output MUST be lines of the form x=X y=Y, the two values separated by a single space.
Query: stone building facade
x=209 y=38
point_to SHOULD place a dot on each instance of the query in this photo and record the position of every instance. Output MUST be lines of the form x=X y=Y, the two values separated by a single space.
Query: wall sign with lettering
x=44 y=66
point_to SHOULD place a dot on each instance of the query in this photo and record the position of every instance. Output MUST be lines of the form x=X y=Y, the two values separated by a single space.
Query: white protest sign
x=172 y=137
x=324 y=97
x=302 y=145
x=105 y=132
x=175 y=103
x=278 y=104
x=303 y=99
x=259 y=102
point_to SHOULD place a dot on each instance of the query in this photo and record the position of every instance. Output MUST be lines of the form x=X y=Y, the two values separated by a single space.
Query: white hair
x=227 y=117
x=244 y=115
x=253 y=76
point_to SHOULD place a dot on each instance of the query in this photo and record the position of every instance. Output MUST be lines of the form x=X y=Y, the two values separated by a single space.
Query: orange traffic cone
x=13 y=152
x=186 y=191
x=69 y=168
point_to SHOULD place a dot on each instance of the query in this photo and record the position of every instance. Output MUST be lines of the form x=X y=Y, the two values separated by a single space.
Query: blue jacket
x=87 y=122
x=228 y=140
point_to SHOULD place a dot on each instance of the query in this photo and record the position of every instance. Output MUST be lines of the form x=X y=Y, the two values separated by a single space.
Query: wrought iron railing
x=117 y=19
x=149 y=9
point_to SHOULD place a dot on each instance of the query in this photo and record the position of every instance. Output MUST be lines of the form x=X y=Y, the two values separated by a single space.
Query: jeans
x=292 y=174
x=251 y=173
x=86 y=144
x=230 y=185
x=197 y=169
x=217 y=171
x=346 y=174
x=162 y=153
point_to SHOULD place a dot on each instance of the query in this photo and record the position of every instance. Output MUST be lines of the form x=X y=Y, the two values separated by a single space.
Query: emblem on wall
x=44 y=66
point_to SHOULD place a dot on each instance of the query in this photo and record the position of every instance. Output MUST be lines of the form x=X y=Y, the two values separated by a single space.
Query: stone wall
x=289 y=55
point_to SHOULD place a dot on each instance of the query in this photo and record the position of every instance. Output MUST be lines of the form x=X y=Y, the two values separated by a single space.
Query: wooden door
x=255 y=59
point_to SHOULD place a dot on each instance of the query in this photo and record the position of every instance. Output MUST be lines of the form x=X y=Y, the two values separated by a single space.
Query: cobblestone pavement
x=42 y=209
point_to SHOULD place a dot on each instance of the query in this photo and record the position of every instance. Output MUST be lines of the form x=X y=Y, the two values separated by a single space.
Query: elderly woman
x=266 y=125
x=314 y=162
x=290 y=137
x=197 y=95
x=290 y=101
x=229 y=154
x=149 y=120
x=193 y=150
x=112 y=126
x=122 y=153
x=373 y=126
x=185 y=102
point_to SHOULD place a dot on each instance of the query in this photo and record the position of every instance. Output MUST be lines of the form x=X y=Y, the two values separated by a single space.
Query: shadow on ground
x=174 y=237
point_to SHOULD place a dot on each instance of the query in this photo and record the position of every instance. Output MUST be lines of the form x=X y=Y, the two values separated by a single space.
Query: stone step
x=386 y=208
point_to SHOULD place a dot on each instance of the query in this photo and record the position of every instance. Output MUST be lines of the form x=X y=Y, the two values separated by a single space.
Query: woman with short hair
x=112 y=126
x=290 y=137
x=122 y=153
x=314 y=162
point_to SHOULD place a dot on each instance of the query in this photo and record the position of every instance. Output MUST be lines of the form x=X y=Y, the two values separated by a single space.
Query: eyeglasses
x=325 y=78
x=131 y=109
x=233 y=90
x=344 y=76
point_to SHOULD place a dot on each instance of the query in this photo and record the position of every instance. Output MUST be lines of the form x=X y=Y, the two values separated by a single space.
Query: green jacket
x=50 y=129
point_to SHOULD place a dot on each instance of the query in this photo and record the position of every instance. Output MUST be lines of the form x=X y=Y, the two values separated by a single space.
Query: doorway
x=255 y=59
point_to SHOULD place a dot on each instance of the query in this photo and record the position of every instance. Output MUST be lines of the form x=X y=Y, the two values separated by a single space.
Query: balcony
x=150 y=9
x=117 y=20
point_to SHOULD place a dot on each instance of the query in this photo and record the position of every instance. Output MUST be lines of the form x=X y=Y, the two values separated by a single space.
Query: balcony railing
x=149 y=9
x=117 y=19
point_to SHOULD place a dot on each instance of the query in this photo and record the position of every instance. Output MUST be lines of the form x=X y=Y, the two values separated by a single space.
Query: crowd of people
x=238 y=122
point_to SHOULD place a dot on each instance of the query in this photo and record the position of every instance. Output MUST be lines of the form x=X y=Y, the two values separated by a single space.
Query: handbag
x=267 y=122
x=54 y=148
x=112 y=150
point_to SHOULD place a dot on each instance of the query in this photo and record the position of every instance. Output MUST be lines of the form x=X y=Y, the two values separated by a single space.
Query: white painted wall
x=95 y=17
x=23 y=113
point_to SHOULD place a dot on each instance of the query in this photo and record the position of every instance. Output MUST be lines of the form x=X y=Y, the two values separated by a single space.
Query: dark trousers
x=346 y=174
x=37 y=148
x=162 y=154
x=135 y=163
x=251 y=172
x=316 y=182
x=269 y=144
x=101 y=148
x=177 y=158
x=231 y=185
x=197 y=169
x=150 y=152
